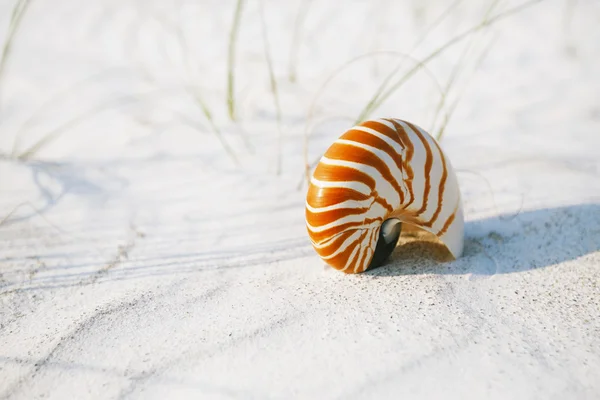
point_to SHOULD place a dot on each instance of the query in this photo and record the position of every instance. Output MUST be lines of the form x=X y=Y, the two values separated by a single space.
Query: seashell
x=374 y=178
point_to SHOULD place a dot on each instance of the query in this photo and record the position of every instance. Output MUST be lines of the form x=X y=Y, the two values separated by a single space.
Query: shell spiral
x=380 y=170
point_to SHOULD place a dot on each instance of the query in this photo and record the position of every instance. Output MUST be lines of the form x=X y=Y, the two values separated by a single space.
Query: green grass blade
x=55 y=99
x=454 y=104
x=340 y=69
x=372 y=106
x=54 y=134
x=18 y=12
x=231 y=59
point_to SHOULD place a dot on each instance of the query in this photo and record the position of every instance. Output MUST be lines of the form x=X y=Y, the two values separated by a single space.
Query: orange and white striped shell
x=376 y=176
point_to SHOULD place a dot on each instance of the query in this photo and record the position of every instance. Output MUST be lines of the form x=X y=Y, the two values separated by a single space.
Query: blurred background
x=244 y=84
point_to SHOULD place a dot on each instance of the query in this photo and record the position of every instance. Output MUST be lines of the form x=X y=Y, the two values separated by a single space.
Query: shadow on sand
x=506 y=244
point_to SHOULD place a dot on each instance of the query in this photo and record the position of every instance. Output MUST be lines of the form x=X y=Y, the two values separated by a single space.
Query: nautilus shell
x=373 y=179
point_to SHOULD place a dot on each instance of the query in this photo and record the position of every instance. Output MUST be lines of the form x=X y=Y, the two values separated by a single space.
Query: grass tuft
x=208 y=115
x=393 y=73
x=194 y=91
x=77 y=86
x=458 y=67
x=121 y=101
x=334 y=74
x=381 y=96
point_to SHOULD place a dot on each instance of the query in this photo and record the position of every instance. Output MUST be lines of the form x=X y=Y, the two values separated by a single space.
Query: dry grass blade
x=208 y=115
x=458 y=67
x=273 y=84
x=57 y=132
x=51 y=136
x=451 y=80
x=193 y=90
x=7 y=218
x=450 y=110
x=18 y=12
x=372 y=106
x=13 y=211
x=56 y=98
x=231 y=59
x=492 y=195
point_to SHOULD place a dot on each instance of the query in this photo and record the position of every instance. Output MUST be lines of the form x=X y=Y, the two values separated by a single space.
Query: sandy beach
x=152 y=247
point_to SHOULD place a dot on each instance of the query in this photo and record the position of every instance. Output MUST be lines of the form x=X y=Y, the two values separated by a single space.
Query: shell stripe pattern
x=380 y=169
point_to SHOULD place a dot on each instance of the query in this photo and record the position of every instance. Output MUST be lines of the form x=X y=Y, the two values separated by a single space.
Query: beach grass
x=311 y=111
x=382 y=95
x=233 y=34
x=114 y=103
x=18 y=12
x=384 y=92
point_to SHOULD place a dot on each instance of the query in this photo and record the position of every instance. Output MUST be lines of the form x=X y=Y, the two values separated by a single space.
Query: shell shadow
x=505 y=244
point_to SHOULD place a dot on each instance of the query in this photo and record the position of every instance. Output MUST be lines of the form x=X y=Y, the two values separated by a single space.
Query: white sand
x=154 y=266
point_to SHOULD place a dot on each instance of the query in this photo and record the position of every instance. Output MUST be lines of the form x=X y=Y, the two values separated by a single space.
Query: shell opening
x=390 y=230
x=386 y=242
